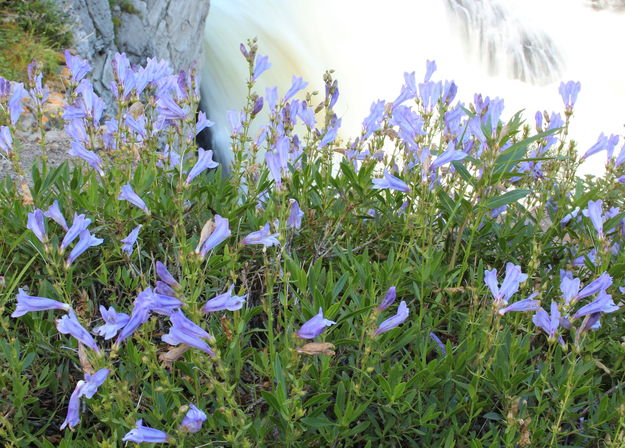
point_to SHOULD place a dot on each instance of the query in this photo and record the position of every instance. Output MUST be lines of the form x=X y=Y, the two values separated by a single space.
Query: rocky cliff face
x=168 y=29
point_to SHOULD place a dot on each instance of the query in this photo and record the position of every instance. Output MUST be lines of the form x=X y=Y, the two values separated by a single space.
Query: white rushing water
x=519 y=50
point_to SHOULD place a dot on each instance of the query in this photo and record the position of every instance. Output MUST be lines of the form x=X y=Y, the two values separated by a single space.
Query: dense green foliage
x=500 y=383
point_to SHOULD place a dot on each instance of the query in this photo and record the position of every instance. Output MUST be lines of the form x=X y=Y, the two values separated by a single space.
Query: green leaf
x=506 y=198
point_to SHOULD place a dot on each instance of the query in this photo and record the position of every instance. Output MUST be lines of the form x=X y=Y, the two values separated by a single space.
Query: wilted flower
x=130 y=240
x=390 y=182
x=69 y=324
x=54 y=213
x=225 y=301
x=86 y=241
x=129 y=195
x=36 y=224
x=144 y=434
x=26 y=304
x=79 y=224
x=295 y=216
x=314 y=326
x=396 y=320
x=193 y=419
x=262 y=236
x=389 y=298
x=113 y=322
x=204 y=161
x=220 y=232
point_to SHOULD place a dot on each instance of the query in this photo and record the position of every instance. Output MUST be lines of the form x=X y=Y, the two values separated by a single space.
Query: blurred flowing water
x=519 y=50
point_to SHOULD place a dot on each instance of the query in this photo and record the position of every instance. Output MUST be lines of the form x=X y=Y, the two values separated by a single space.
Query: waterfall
x=519 y=50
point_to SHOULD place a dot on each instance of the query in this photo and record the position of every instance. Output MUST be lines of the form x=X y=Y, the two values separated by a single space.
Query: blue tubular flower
x=79 y=224
x=439 y=343
x=221 y=232
x=273 y=163
x=69 y=324
x=26 y=304
x=235 y=118
x=73 y=409
x=594 y=212
x=549 y=323
x=193 y=420
x=514 y=277
x=202 y=122
x=450 y=155
x=113 y=322
x=569 y=92
x=396 y=320
x=372 y=122
x=295 y=215
x=204 y=162
x=390 y=182
x=78 y=150
x=165 y=289
x=429 y=93
x=261 y=65
x=389 y=298
x=314 y=326
x=129 y=242
x=297 y=84
x=6 y=141
x=54 y=213
x=600 y=145
x=307 y=114
x=602 y=304
x=262 y=236
x=169 y=110
x=178 y=336
x=78 y=67
x=93 y=382
x=522 y=305
x=140 y=315
x=331 y=133
x=166 y=276
x=129 y=195
x=36 y=224
x=603 y=282
x=15 y=102
x=570 y=216
x=86 y=241
x=182 y=322
x=144 y=434
x=271 y=94
x=570 y=289
x=225 y=301
x=430 y=68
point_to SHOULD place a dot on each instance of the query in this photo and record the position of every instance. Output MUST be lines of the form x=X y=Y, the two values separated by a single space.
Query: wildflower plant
x=247 y=302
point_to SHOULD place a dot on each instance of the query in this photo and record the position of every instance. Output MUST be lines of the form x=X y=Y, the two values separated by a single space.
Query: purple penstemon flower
x=514 y=277
x=27 y=304
x=396 y=320
x=144 y=434
x=273 y=163
x=185 y=331
x=168 y=109
x=528 y=304
x=86 y=241
x=390 y=182
x=314 y=326
x=439 y=343
x=603 y=282
x=259 y=102
x=6 y=140
x=78 y=150
x=179 y=320
x=225 y=301
x=164 y=289
x=54 y=213
x=262 y=236
x=193 y=420
x=297 y=84
x=78 y=67
x=548 y=322
x=331 y=133
x=84 y=388
x=568 y=92
x=373 y=122
x=79 y=224
x=602 y=304
x=166 y=276
x=129 y=242
x=15 y=103
x=113 y=322
x=389 y=298
x=450 y=155
x=129 y=195
x=594 y=212
x=36 y=223
x=202 y=122
x=204 y=162
x=140 y=315
x=69 y=324
x=296 y=214
x=235 y=118
x=570 y=216
x=261 y=64
x=220 y=233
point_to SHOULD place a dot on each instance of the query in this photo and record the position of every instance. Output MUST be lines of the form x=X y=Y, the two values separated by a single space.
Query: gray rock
x=167 y=29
